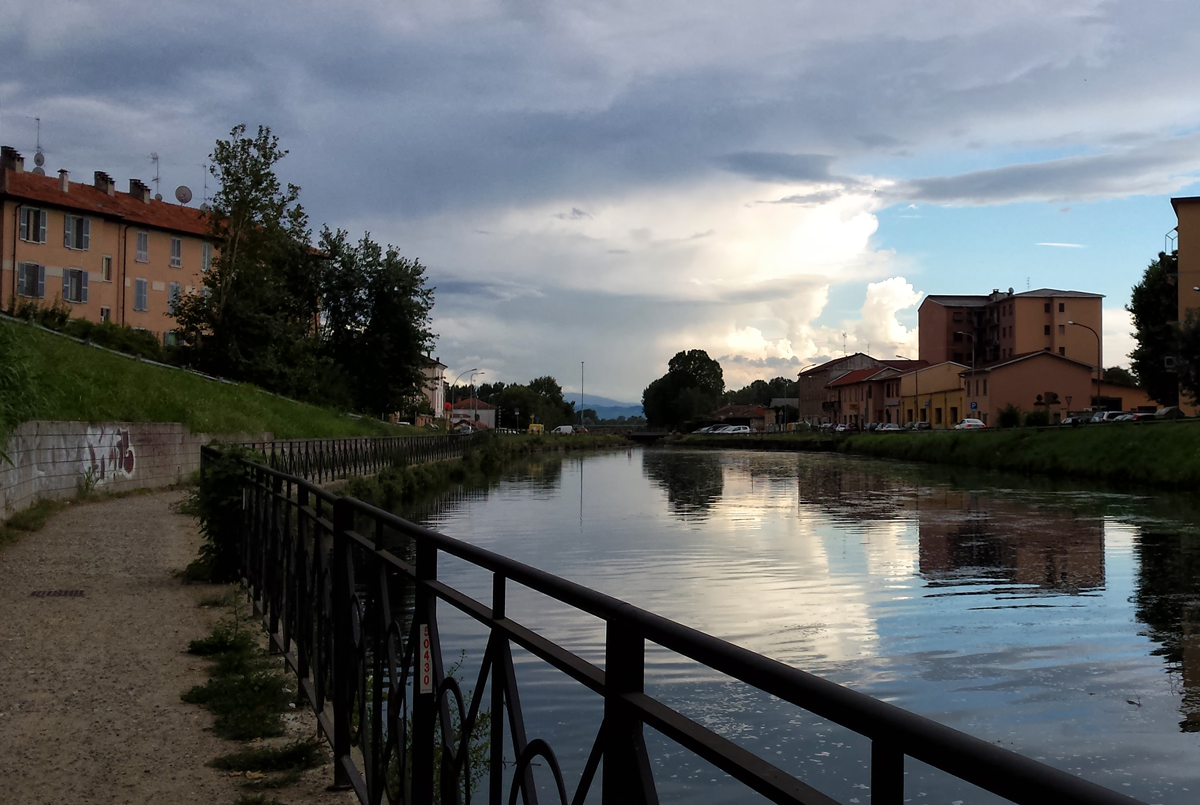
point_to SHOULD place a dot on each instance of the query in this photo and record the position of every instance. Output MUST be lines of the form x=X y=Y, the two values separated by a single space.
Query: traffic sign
x=974 y=405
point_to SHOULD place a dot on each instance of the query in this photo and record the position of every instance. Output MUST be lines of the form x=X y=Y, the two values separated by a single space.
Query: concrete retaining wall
x=56 y=459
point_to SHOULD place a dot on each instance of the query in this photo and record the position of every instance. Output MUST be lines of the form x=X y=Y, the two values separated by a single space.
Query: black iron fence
x=358 y=624
x=322 y=460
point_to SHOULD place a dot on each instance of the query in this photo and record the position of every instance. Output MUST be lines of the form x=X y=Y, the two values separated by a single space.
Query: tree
x=1189 y=356
x=691 y=388
x=1119 y=376
x=1153 y=304
x=254 y=314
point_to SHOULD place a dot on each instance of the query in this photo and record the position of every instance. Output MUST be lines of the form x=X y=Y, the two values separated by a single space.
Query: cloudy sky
x=612 y=182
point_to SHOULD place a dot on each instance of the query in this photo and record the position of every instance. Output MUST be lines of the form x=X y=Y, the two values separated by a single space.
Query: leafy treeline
x=345 y=324
x=1167 y=357
x=694 y=387
x=539 y=400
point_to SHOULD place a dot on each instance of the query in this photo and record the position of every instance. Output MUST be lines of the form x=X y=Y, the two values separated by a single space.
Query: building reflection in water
x=693 y=485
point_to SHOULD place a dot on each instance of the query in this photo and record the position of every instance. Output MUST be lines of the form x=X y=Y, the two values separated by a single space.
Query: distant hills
x=604 y=407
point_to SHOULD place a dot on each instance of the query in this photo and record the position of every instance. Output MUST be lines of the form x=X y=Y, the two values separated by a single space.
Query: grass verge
x=82 y=384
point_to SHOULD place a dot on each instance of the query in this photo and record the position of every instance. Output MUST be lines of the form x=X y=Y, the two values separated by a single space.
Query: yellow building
x=106 y=254
x=932 y=394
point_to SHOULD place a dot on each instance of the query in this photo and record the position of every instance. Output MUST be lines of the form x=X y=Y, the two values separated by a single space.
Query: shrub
x=19 y=399
x=217 y=502
x=1037 y=419
x=1009 y=417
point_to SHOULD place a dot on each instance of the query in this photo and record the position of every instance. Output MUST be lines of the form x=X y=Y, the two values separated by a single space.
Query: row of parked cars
x=1171 y=412
x=724 y=430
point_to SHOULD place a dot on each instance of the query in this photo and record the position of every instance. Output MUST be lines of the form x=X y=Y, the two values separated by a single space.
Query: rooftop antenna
x=39 y=158
x=154 y=159
x=843 y=345
x=1027 y=283
x=204 y=203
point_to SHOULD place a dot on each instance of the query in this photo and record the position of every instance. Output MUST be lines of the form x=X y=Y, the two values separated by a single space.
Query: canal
x=1057 y=620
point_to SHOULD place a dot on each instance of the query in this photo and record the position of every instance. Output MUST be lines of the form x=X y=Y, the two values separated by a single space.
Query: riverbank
x=396 y=486
x=1165 y=455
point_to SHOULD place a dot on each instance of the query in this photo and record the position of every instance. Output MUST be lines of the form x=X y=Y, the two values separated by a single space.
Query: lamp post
x=1099 y=359
x=460 y=374
x=972 y=337
x=917 y=388
x=474 y=399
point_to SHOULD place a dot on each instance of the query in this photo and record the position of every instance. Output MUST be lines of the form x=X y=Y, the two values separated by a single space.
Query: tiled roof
x=1024 y=356
x=472 y=404
x=855 y=376
x=906 y=365
x=89 y=199
x=948 y=300
x=1050 y=292
x=739 y=411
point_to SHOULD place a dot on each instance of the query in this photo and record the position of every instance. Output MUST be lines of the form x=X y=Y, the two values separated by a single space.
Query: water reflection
x=1168 y=602
x=692 y=486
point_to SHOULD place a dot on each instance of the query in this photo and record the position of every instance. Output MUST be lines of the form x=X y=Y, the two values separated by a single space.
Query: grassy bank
x=75 y=382
x=396 y=486
x=1165 y=455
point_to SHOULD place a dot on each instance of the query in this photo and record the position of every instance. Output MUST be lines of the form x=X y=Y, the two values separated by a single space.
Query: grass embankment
x=78 y=383
x=1165 y=455
x=396 y=486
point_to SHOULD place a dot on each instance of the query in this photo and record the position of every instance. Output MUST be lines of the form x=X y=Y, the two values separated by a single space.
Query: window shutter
x=87 y=232
x=41 y=218
x=67 y=231
x=66 y=285
x=24 y=224
x=41 y=282
x=83 y=286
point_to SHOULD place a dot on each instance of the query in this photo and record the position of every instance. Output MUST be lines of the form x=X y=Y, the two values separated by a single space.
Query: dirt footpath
x=90 y=683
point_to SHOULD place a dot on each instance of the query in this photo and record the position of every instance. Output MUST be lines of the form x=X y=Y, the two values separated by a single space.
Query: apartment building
x=1187 y=212
x=1033 y=381
x=818 y=401
x=108 y=255
x=983 y=330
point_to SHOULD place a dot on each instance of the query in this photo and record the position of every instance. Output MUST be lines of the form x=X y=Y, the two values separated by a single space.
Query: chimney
x=139 y=191
x=105 y=183
x=10 y=159
x=64 y=182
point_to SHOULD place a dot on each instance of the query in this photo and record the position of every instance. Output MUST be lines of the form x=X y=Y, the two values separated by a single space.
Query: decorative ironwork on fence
x=373 y=672
x=325 y=459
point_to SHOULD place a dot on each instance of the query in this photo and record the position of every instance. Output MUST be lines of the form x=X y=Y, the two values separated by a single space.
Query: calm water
x=1063 y=623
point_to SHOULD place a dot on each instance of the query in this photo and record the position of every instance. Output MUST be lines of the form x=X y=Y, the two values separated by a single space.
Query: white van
x=564 y=430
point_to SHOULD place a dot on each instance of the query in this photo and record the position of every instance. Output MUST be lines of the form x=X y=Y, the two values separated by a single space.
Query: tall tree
x=691 y=388
x=255 y=312
x=1189 y=356
x=1153 y=304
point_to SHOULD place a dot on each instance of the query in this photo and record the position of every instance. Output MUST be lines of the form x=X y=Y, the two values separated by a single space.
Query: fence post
x=887 y=773
x=342 y=642
x=627 y=778
x=425 y=685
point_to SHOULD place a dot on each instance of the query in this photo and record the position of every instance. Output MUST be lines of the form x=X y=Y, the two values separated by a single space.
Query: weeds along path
x=93 y=636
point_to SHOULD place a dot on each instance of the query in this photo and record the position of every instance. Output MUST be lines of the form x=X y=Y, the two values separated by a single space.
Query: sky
x=609 y=183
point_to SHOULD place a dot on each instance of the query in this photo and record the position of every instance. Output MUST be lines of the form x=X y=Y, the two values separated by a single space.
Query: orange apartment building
x=106 y=254
x=1003 y=325
x=1187 y=212
x=1063 y=384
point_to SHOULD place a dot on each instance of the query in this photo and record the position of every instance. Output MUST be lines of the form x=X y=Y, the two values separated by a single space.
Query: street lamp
x=917 y=386
x=474 y=399
x=460 y=374
x=1099 y=360
x=972 y=337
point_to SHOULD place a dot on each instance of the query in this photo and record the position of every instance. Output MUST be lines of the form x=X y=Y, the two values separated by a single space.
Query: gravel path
x=90 y=684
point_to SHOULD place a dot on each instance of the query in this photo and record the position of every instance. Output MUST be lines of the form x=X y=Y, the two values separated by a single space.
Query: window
x=1062 y=329
x=1062 y=307
x=170 y=338
x=31 y=280
x=172 y=297
x=176 y=253
x=937 y=416
x=76 y=232
x=205 y=256
x=1047 y=307
x=1062 y=350
x=958 y=316
x=985 y=386
x=33 y=225
x=75 y=285
x=106 y=268
x=106 y=314
x=1046 y=330
x=953 y=413
x=143 y=247
x=140 y=291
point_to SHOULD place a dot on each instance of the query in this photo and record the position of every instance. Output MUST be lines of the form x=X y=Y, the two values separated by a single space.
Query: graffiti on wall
x=111 y=453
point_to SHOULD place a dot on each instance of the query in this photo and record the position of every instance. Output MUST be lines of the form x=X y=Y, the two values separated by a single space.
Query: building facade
x=932 y=394
x=473 y=411
x=983 y=330
x=434 y=386
x=1034 y=381
x=818 y=402
x=107 y=255
x=1187 y=213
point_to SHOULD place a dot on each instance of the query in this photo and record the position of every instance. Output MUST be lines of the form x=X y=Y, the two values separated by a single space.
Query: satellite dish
x=39 y=159
x=158 y=196
x=183 y=194
x=39 y=171
x=206 y=206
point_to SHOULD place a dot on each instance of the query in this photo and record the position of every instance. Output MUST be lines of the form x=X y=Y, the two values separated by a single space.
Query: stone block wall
x=57 y=459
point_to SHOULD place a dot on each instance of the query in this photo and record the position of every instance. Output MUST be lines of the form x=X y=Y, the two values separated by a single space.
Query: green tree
x=1189 y=356
x=1153 y=304
x=253 y=317
x=691 y=388
x=1119 y=376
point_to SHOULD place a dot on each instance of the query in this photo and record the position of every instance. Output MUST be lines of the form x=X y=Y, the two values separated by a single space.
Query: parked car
x=1074 y=420
x=733 y=430
x=563 y=430
x=1170 y=412
x=1124 y=418
x=845 y=427
x=1141 y=416
x=888 y=427
x=1106 y=416
x=919 y=426
x=970 y=424
x=706 y=429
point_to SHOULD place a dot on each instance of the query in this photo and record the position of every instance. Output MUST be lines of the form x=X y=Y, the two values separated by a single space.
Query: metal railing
x=358 y=624
x=326 y=459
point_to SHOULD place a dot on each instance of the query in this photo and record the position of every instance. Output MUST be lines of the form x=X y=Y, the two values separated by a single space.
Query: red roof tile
x=854 y=376
x=88 y=199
